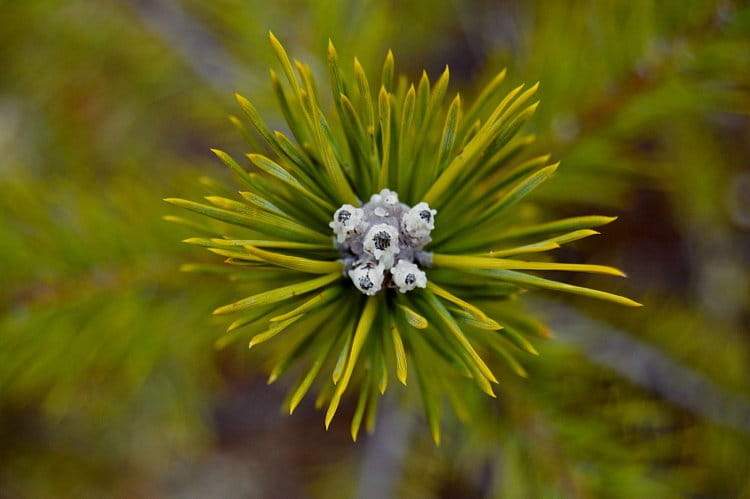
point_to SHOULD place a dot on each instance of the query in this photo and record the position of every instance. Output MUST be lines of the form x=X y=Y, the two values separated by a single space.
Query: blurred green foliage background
x=109 y=382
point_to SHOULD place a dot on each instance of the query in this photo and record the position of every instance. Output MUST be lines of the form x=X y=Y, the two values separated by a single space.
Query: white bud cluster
x=348 y=221
x=368 y=277
x=407 y=276
x=419 y=221
x=382 y=242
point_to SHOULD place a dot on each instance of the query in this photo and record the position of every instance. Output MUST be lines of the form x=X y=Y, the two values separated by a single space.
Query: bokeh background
x=109 y=382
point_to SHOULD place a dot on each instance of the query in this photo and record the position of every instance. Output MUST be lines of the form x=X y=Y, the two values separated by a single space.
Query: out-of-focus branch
x=647 y=367
x=383 y=461
x=196 y=44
